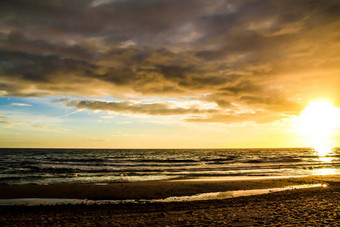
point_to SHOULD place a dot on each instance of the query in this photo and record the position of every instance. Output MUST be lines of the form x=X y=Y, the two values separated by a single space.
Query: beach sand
x=312 y=206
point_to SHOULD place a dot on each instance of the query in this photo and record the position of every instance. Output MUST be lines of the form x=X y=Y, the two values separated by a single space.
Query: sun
x=318 y=123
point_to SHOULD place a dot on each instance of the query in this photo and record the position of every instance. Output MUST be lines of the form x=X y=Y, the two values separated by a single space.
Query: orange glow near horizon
x=318 y=123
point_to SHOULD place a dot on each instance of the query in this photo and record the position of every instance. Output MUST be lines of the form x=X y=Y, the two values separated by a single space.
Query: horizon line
x=192 y=148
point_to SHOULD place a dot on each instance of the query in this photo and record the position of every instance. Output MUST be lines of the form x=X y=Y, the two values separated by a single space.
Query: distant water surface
x=49 y=166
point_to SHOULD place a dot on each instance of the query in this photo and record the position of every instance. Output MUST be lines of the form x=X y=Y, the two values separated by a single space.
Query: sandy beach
x=313 y=206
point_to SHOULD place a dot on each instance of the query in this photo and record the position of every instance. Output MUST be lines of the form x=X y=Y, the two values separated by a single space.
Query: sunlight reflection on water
x=325 y=154
x=326 y=171
x=323 y=150
x=326 y=159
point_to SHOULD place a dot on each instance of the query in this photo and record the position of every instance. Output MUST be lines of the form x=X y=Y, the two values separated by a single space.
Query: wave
x=281 y=160
x=73 y=165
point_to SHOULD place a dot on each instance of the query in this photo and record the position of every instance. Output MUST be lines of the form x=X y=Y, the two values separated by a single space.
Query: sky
x=164 y=74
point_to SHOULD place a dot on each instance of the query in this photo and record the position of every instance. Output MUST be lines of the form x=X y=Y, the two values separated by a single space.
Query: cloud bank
x=265 y=56
x=135 y=108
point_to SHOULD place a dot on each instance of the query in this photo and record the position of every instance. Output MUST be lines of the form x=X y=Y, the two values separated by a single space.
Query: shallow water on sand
x=49 y=166
x=198 y=197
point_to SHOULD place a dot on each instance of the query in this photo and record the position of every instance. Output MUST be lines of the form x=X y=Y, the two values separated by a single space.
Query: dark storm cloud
x=40 y=69
x=254 y=53
x=136 y=108
x=20 y=72
x=16 y=41
x=147 y=21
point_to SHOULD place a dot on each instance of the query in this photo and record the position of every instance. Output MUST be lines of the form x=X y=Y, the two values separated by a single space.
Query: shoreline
x=299 y=207
x=153 y=189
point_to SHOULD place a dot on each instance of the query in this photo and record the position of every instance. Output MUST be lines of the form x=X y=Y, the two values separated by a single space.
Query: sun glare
x=318 y=123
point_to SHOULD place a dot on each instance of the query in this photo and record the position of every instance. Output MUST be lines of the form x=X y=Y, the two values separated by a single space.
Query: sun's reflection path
x=325 y=156
x=325 y=159
x=325 y=171
x=324 y=153
x=323 y=150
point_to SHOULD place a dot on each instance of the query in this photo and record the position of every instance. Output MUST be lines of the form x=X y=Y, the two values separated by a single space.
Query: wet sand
x=148 y=190
x=313 y=206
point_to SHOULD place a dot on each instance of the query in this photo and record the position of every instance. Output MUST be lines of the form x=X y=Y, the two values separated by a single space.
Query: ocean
x=52 y=166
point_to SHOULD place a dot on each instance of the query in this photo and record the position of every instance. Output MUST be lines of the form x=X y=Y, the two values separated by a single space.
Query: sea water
x=50 y=166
